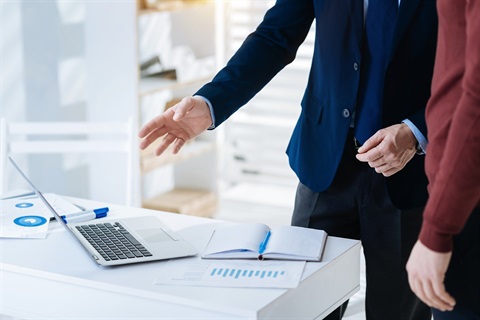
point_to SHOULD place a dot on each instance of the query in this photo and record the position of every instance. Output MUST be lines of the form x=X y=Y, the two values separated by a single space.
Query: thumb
x=371 y=143
x=181 y=108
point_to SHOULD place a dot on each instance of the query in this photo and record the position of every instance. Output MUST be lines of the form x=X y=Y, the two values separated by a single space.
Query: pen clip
x=101 y=211
x=263 y=245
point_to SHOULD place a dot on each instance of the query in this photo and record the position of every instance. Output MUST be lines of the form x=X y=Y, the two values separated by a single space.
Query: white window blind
x=256 y=137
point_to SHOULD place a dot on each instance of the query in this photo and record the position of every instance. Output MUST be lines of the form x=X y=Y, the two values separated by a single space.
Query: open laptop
x=122 y=241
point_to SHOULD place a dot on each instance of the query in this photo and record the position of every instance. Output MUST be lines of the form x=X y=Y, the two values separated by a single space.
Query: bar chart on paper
x=233 y=273
x=238 y=273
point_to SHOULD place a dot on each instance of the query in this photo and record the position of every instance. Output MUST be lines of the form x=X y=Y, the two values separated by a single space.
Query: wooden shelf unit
x=182 y=199
x=144 y=7
x=151 y=85
x=190 y=150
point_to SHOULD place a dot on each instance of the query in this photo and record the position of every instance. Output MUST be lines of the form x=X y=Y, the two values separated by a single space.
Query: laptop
x=122 y=241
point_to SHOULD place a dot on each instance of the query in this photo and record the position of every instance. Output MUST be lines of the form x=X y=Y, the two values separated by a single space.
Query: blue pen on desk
x=263 y=245
x=85 y=215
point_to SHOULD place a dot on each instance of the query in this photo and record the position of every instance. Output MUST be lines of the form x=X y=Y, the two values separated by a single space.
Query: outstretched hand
x=389 y=149
x=180 y=123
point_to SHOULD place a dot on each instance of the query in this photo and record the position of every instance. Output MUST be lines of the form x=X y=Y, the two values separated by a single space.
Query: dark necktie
x=379 y=26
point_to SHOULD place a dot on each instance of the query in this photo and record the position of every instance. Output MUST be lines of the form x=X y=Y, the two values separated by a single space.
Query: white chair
x=71 y=138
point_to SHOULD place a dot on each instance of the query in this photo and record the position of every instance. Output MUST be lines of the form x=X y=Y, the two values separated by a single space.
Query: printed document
x=232 y=273
x=28 y=217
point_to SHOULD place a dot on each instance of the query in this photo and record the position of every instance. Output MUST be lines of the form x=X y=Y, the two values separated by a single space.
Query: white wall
x=70 y=61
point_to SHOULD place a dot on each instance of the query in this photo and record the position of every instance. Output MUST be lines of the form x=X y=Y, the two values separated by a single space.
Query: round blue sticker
x=24 y=205
x=30 y=221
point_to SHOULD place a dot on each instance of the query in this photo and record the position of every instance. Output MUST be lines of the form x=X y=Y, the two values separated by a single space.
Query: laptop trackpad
x=154 y=235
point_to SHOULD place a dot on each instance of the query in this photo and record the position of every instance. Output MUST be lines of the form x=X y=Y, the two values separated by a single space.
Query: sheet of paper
x=28 y=217
x=232 y=273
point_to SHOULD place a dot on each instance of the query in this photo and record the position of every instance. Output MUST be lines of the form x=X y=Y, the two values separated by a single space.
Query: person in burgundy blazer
x=321 y=150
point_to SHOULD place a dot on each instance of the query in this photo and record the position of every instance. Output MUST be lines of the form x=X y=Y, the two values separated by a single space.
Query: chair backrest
x=69 y=138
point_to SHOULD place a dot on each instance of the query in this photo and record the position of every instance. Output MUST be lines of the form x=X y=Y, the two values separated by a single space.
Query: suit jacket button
x=355 y=66
x=346 y=113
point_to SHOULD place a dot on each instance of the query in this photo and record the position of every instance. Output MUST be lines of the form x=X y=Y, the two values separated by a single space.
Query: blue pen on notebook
x=263 y=245
x=85 y=215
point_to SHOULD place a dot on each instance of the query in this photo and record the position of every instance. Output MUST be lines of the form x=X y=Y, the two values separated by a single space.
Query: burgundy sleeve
x=455 y=191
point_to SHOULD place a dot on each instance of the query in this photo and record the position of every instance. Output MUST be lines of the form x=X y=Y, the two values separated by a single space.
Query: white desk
x=53 y=278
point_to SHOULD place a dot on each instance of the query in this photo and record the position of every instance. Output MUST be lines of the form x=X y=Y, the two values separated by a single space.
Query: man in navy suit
x=362 y=123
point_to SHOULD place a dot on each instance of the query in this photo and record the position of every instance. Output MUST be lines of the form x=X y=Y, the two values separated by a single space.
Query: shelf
x=152 y=85
x=190 y=150
x=271 y=121
x=169 y=5
x=193 y=202
x=180 y=33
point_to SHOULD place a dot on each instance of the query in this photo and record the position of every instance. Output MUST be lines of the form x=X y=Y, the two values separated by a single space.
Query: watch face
x=419 y=149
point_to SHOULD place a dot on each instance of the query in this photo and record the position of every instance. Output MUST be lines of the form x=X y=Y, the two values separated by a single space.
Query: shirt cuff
x=209 y=104
x=422 y=141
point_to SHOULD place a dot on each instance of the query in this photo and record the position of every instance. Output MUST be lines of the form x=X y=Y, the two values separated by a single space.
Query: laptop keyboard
x=113 y=241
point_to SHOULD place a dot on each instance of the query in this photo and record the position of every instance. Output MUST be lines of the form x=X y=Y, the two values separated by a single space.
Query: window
x=256 y=137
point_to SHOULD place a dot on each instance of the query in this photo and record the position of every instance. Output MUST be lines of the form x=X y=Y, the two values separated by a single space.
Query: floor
x=273 y=205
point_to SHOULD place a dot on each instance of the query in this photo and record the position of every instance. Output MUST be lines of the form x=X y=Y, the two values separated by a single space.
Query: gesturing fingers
x=152 y=136
x=177 y=145
x=167 y=140
x=178 y=124
x=151 y=126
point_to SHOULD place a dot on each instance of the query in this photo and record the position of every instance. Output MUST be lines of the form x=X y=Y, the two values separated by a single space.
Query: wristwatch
x=419 y=149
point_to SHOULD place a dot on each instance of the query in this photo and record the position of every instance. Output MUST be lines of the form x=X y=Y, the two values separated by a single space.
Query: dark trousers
x=358 y=206
x=462 y=280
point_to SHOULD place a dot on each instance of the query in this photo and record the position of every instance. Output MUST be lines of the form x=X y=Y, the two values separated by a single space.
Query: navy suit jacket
x=317 y=143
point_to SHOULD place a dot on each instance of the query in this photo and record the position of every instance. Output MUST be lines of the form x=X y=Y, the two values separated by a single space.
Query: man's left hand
x=389 y=149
